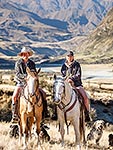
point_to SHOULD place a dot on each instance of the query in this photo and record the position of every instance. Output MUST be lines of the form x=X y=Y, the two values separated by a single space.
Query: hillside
x=98 y=46
x=78 y=16
x=50 y=28
x=20 y=27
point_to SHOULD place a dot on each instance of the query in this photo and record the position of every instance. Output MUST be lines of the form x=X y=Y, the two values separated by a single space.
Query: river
x=90 y=71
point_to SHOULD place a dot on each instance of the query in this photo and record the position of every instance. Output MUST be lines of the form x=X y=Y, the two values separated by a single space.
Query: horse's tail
x=82 y=125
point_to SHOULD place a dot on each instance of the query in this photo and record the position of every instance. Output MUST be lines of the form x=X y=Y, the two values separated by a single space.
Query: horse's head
x=58 y=89
x=32 y=82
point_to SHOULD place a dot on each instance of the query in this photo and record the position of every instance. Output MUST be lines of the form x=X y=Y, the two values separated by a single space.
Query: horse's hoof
x=78 y=147
x=25 y=148
x=62 y=144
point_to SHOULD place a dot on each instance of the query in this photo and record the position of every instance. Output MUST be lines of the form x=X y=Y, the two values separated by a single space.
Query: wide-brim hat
x=25 y=50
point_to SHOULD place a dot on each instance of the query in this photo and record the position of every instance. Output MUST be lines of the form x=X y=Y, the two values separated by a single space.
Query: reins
x=67 y=110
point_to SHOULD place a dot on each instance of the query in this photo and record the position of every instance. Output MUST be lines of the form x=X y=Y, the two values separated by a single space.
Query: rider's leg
x=77 y=86
x=15 y=104
x=83 y=94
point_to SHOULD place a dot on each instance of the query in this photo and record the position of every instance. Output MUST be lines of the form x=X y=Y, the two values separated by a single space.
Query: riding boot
x=15 y=118
x=54 y=115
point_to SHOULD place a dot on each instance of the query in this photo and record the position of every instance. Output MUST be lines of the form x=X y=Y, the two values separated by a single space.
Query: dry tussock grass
x=7 y=143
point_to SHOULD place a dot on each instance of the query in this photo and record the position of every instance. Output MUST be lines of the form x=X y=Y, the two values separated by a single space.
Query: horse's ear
x=54 y=76
x=38 y=70
x=28 y=70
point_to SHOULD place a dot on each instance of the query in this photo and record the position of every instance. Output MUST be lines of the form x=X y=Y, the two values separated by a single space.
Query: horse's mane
x=68 y=90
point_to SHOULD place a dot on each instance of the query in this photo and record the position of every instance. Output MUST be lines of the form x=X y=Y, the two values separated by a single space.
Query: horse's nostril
x=56 y=101
x=53 y=100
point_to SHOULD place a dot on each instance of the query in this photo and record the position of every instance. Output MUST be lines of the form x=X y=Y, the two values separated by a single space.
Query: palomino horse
x=68 y=109
x=31 y=107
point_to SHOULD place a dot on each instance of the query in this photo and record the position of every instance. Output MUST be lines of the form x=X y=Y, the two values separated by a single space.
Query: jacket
x=20 y=69
x=72 y=71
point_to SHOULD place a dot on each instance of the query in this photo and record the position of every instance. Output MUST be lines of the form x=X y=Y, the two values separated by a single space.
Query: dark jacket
x=20 y=69
x=72 y=71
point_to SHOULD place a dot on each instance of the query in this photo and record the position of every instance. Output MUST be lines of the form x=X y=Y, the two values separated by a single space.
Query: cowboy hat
x=25 y=50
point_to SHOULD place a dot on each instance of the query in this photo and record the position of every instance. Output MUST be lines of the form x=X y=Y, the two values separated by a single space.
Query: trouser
x=16 y=93
x=83 y=94
x=15 y=97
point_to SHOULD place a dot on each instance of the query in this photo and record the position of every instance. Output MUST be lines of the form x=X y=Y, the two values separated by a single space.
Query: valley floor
x=7 y=143
x=92 y=71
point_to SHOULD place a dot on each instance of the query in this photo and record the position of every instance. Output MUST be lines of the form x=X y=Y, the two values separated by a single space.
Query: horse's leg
x=38 y=122
x=20 y=132
x=31 y=121
x=77 y=132
x=24 y=121
x=62 y=131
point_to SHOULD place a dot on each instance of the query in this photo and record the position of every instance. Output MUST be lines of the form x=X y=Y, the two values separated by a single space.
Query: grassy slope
x=97 y=48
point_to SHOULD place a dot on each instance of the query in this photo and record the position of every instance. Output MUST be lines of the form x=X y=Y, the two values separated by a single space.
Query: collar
x=68 y=65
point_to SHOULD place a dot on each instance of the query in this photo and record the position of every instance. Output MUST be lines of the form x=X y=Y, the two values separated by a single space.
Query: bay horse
x=68 y=109
x=31 y=107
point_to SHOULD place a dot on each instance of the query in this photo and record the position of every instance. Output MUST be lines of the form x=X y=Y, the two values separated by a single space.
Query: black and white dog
x=110 y=140
x=14 y=131
x=96 y=132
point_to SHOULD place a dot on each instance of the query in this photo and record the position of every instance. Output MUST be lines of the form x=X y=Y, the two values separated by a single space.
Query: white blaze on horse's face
x=58 y=90
x=31 y=85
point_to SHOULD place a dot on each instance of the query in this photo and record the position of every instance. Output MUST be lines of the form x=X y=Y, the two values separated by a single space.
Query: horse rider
x=20 y=78
x=71 y=70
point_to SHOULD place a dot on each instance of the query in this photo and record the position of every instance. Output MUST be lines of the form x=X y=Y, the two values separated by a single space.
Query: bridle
x=56 y=82
x=61 y=104
x=64 y=107
x=33 y=95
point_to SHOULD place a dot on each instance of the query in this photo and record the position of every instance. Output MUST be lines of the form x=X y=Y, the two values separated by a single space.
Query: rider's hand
x=26 y=79
x=70 y=81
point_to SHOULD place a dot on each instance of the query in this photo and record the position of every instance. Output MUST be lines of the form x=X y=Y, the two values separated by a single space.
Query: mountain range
x=52 y=27
x=98 y=46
